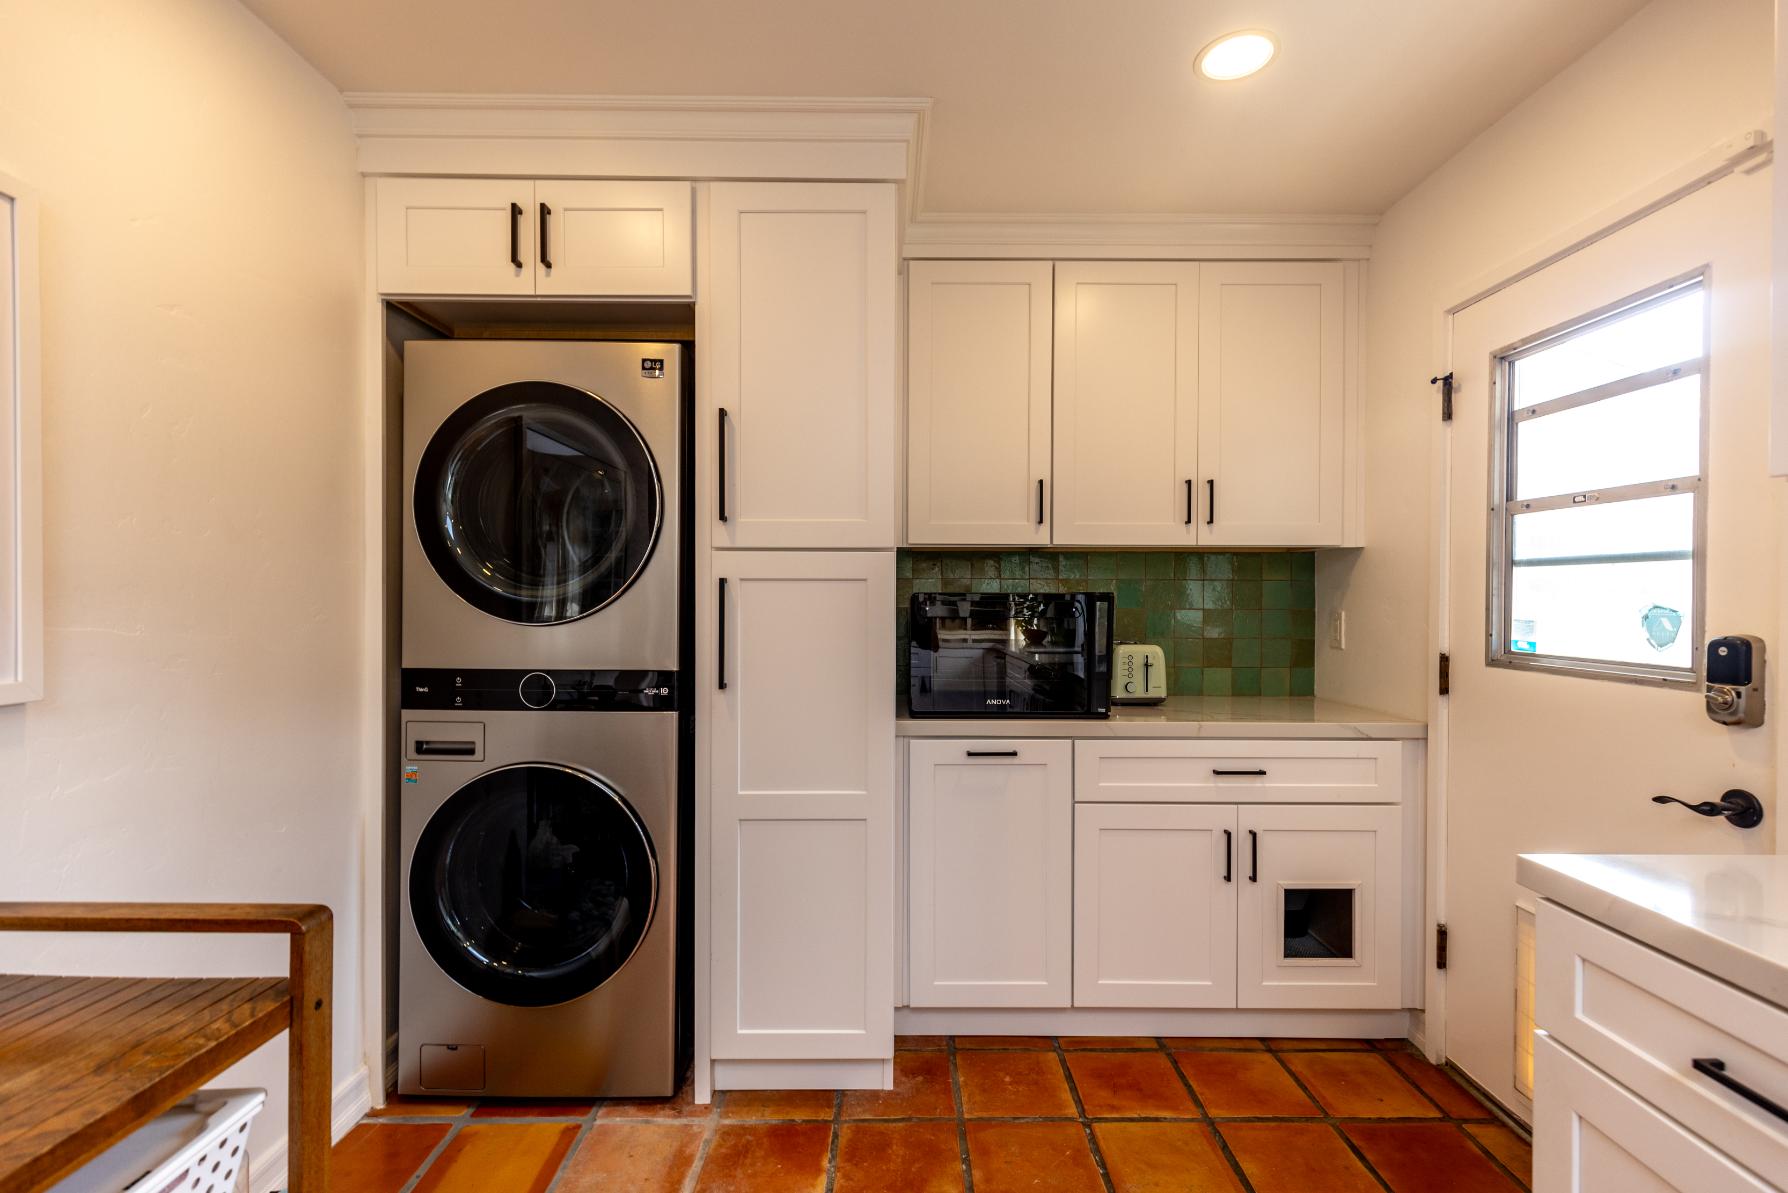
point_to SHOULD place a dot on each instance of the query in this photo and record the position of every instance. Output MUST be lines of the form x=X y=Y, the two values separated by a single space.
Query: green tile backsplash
x=1230 y=624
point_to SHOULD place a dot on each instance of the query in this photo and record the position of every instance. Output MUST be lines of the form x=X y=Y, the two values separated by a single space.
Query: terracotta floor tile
x=921 y=1043
x=766 y=1158
x=1515 y=1152
x=1427 y=1158
x=513 y=1157
x=1107 y=1043
x=1244 y=1085
x=1226 y=1043
x=1301 y=1044
x=1164 y=1158
x=1032 y=1158
x=1358 y=1085
x=400 y=1106
x=682 y=1106
x=1130 y=1085
x=640 y=1157
x=533 y=1108
x=1454 y=1100
x=898 y=1158
x=965 y=1043
x=777 y=1103
x=1013 y=1084
x=379 y=1157
x=921 y=1090
x=1296 y=1158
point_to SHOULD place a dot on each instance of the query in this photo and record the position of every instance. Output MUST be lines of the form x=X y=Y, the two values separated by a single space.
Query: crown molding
x=643 y=136
x=1141 y=237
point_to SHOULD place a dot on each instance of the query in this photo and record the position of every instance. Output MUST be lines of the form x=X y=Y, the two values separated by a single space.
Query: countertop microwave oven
x=1017 y=654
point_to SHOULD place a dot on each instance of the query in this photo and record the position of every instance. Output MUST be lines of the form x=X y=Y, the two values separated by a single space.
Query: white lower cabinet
x=991 y=833
x=1154 y=905
x=1320 y=910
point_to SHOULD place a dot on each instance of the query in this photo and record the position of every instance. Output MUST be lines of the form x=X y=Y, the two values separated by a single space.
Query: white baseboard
x=347 y=1106
x=803 y=1074
x=1098 y=1021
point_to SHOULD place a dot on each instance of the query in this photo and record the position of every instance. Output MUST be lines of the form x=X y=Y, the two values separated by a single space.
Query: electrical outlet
x=1338 y=630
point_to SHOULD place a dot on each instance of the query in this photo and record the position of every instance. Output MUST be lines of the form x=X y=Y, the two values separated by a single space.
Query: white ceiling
x=1042 y=106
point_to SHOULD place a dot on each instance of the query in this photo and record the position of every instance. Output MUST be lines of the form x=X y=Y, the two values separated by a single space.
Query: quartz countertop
x=1191 y=716
x=1723 y=913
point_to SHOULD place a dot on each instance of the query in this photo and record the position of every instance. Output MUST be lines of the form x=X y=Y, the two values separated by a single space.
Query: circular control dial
x=537 y=689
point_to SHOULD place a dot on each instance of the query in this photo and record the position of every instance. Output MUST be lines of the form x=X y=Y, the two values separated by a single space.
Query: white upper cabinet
x=1126 y=403
x=799 y=325
x=509 y=236
x=978 y=402
x=1271 y=353
x=456 y=236
x=614 y=238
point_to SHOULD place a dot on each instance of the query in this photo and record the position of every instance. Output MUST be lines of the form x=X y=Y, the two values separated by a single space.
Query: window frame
x=1504 y=506
x=21 y=484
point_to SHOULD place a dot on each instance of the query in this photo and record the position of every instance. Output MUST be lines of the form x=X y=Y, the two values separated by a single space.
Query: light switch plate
x=1338 y=630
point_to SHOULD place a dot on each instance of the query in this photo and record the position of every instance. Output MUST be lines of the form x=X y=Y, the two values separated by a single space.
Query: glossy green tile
x=1157 y=565
x=1247 y=623
x=1275 y=623
x=1188 y=594
x=925 y=570
x=984 y=584
x=1219 y=566
x=1303 y=652
x=1303 y=594
x=1275 y=594
x=1275 y=652
x=1128 y=625
x=1129 y=565
x=1303 y=681
x=1218 y=594
x=1218 y=652
x=985 y=567
x=1189 y=565
x=903 y=565
x=1247 y=567
x=1101 y=565
x=1188 y=623
x=1014 y=565
x=1303 y=623
x=1303 y=565
x=1015 y=585
x=1216 y=681
x=1219 y=623
x=1275 y=681
x=1129 y=594
x=1043 y=565
x=1188 y=652
x=1245 y=594
x=903 y=591
x=1187 y=681
x=954 y=568
x=1159 y=595
x=1244 y=681
x=1275 y=566
x=1071 y=565
x=1159 y=624
x=1245 y=653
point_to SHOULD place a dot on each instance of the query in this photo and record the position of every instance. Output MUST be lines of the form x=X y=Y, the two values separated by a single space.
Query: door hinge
x=1440 y=946
x=1446 y=396
x=1446 y=674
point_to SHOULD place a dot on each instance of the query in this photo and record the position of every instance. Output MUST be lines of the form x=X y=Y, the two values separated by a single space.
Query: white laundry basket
x=199 y=1146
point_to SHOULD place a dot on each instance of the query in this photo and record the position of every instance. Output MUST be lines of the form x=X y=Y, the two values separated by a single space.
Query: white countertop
x=1726 y=914
x=1191 y=716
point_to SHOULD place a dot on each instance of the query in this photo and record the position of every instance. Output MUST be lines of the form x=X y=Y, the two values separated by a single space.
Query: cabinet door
x=1126 y=403
x=800 y=323
x=978 y=364
x=622 y=239
x=1270 y=403
x=801 y=774
x=1321 y=906
x=1592 y=1134
x=991 y=827
x=456 y=236
x=1154 y=905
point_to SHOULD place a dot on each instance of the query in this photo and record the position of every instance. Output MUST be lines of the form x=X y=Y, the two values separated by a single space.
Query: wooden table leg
x=308 y=1086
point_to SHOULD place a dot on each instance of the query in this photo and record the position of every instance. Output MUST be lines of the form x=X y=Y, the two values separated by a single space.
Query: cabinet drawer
x=1644 y=1017
x=1238 y=772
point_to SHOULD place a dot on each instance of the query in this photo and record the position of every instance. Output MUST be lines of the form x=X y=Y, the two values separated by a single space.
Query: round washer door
x=533 y=884
x=537 y=503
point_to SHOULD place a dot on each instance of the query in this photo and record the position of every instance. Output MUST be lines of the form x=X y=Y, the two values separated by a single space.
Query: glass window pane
x=1617 y=612
x=1648 y=526
x=1647 y=435
x=1659 y=335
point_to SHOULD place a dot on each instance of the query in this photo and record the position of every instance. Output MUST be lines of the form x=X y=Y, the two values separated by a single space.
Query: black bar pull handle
x=1228 y=856
x=991 y=753
x=720 y=488
x=1253 y=856
x=449 y=749
x=1713 y=1068
x=1256 y=773
x=515 y=214
x=1210 y=502
x=546 y=257
x=1188 y=501
x=720 y=637
x=1039 y=501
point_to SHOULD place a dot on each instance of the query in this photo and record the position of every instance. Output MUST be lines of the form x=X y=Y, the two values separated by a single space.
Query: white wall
x=201 y=251
x=1663 y=88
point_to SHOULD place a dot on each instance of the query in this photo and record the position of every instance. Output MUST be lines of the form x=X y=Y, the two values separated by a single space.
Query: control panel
x=516 y=690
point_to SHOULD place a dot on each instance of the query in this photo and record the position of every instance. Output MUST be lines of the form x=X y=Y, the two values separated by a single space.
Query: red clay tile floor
x=985 y=1115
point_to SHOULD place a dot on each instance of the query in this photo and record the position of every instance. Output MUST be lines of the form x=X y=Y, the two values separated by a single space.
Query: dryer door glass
x=533 y=885
x=537 y=503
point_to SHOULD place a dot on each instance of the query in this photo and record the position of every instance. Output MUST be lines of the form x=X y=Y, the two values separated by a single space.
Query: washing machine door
x=538 y=503
x=532 y=885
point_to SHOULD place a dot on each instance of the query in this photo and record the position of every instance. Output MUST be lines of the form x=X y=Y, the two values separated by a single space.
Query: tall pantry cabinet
x=797 y=426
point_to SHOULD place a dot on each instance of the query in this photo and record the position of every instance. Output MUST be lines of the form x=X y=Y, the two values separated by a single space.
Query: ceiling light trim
x=1204 y=55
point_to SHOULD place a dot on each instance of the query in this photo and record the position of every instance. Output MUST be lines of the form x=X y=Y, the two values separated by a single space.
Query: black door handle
x=1039 y=501
x=720 y=652
x=1253 y=856
x=1228 y=856
x=1210 y=502
x=546 y=257
x=1738 y=806
x=721 y=487
x=1257 y=773
x=1714 y=1068
x=1188 y=501
x=991 y=753
x=515 y=214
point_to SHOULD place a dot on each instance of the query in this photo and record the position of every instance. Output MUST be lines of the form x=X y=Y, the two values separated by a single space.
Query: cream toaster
x=1138 y=674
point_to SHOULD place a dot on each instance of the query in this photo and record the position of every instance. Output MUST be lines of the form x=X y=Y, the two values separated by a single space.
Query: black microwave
x=1016 y=654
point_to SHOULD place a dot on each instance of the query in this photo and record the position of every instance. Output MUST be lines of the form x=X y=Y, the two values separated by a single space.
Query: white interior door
x=1554 y=761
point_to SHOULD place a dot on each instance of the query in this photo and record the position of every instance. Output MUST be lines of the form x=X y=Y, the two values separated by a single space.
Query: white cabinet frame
x=21 y=451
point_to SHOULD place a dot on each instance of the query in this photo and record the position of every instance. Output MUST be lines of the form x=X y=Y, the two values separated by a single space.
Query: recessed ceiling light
x=1236 y=55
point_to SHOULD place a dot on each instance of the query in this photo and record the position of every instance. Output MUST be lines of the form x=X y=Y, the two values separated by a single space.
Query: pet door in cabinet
x=1319 y=907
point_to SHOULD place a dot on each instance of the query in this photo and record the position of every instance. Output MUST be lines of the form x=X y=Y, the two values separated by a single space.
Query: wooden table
x=86 y=1061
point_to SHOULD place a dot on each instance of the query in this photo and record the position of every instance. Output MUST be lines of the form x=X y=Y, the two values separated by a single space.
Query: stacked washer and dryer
x=543 y=638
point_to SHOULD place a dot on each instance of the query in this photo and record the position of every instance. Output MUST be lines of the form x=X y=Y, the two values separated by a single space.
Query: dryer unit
x=541 y=504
